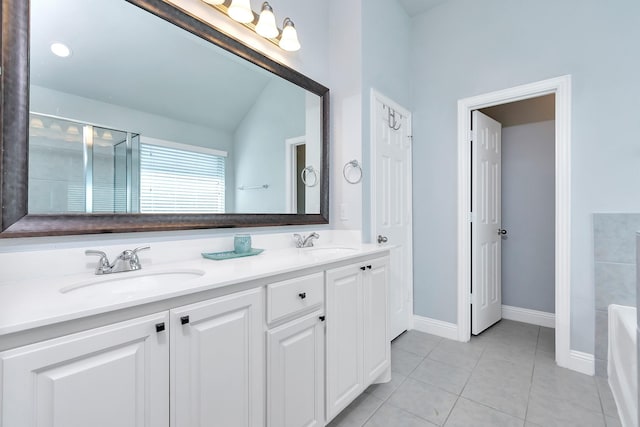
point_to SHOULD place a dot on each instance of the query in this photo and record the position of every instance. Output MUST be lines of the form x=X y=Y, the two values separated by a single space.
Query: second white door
x=486 y=299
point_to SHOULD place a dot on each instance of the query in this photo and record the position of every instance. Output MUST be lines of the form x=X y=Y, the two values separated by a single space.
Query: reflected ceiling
x=229 y=87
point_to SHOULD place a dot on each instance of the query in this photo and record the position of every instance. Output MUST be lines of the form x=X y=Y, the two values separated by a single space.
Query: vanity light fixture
x=263 y=24
x=60 y=49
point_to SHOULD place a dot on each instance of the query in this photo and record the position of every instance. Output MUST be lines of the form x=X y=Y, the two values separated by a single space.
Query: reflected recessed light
x=60 y=49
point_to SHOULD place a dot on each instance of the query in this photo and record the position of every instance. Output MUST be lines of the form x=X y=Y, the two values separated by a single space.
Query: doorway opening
x=295 y=163
x=512 y=229
x=561 y=88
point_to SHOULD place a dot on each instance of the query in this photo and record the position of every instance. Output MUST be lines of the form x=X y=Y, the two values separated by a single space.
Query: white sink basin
x=329 y=251
x=130 y=282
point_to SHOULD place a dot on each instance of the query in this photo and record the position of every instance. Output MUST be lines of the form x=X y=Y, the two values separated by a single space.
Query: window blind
x=176 y=180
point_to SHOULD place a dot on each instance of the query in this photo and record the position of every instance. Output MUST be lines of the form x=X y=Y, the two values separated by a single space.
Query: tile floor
x=504 y=377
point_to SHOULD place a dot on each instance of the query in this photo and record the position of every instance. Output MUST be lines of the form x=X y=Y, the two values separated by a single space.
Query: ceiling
x=530 y=110
x=125 y=56
x=416 y=7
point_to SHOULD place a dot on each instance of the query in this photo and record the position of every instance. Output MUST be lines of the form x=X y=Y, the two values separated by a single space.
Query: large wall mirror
x=152 y=120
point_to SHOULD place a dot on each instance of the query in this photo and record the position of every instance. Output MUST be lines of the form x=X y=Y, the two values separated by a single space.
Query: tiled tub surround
x=615 y=272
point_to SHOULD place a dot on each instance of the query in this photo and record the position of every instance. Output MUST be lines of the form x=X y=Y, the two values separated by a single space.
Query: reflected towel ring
x=353 y=164
x=306 y=172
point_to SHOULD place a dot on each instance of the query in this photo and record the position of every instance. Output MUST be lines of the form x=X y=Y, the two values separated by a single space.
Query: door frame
x=290 y=184
x=561 y=87
x=377 y=96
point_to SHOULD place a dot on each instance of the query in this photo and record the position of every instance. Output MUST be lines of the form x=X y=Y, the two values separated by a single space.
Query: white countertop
x=27 y=304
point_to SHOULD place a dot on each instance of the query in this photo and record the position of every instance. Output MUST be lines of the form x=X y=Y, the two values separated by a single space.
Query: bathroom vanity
x=287 y=338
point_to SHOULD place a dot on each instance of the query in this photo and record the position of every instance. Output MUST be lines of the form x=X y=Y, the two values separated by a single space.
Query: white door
x=295 y=373
x=217 y=362
x=486 y=300
x=110 y=376
x=391 y=198
x=377 y=347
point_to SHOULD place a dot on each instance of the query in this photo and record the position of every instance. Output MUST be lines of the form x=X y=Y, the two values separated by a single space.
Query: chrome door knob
x=502 y=231
x=382 y=239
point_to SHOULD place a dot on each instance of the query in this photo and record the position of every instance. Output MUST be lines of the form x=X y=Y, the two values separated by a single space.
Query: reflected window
x=181 y=180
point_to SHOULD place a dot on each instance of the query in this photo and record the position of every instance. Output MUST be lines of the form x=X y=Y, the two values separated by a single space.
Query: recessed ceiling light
x=60 y=49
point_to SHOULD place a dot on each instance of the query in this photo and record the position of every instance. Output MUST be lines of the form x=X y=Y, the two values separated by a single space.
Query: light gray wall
x=464 y=48
x=259 y=147
x=528 y=214
x=386 y=68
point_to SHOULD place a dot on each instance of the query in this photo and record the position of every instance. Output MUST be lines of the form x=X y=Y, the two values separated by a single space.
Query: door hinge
x=472 y=135
x=472 y=217
x=471 y=298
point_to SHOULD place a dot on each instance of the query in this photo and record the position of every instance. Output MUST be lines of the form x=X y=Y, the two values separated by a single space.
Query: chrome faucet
x=127 y=261
x=305 y=242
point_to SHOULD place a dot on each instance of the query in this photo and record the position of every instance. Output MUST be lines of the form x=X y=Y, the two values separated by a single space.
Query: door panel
x=344 y=338
x=486 y=301
x=217 y=362
x=296 y=373
x=376 y=324
x=79 y=380
x=392 y=202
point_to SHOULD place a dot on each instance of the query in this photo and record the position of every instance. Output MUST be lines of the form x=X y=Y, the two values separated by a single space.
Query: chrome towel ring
x=352 y=165
x=308 y=172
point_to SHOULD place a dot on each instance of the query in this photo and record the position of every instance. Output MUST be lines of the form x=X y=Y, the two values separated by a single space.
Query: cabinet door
x=111 y=376
x=344 y=337
x=377 y=348
x=217 y=362
x=295 y=373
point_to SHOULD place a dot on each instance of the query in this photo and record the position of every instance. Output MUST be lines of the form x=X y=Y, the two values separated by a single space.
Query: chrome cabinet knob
x=382 y=239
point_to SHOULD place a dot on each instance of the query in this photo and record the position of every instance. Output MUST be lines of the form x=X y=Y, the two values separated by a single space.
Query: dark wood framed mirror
x=23 y=87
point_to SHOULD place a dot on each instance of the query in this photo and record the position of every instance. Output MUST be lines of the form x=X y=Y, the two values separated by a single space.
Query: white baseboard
x=435 y=327
x=582 y=362
x=534 y=317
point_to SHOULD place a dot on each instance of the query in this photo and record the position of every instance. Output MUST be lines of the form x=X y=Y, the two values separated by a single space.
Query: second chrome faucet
x=305 y=242
x=127 y=261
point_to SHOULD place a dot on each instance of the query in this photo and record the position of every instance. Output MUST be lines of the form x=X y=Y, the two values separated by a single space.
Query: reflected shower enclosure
x=81 y=168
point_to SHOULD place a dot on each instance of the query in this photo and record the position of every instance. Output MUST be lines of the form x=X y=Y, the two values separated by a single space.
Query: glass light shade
x=240 y=10
x=289 y=40
x=36 y=123
x=267 y=23
x=214 y=1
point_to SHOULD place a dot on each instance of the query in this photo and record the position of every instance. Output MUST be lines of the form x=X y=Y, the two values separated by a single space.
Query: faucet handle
x=141 y=248
x=103 y=263
x=134 y=261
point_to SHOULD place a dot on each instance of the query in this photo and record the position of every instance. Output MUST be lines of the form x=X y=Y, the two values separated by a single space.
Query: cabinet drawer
x=294 y=296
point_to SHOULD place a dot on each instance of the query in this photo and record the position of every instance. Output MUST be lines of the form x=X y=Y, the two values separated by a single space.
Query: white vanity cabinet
x=295 y=352
x=287 y=353
x=217 y=362
x=358 y=347
x=110 y=376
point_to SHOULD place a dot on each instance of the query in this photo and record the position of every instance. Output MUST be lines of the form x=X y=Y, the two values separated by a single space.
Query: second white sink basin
x=129 y=282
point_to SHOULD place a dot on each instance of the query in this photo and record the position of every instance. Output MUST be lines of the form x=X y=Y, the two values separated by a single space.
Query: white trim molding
x=561 y=87
x=525 y=315
x=582 y=362
x=435 y=327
